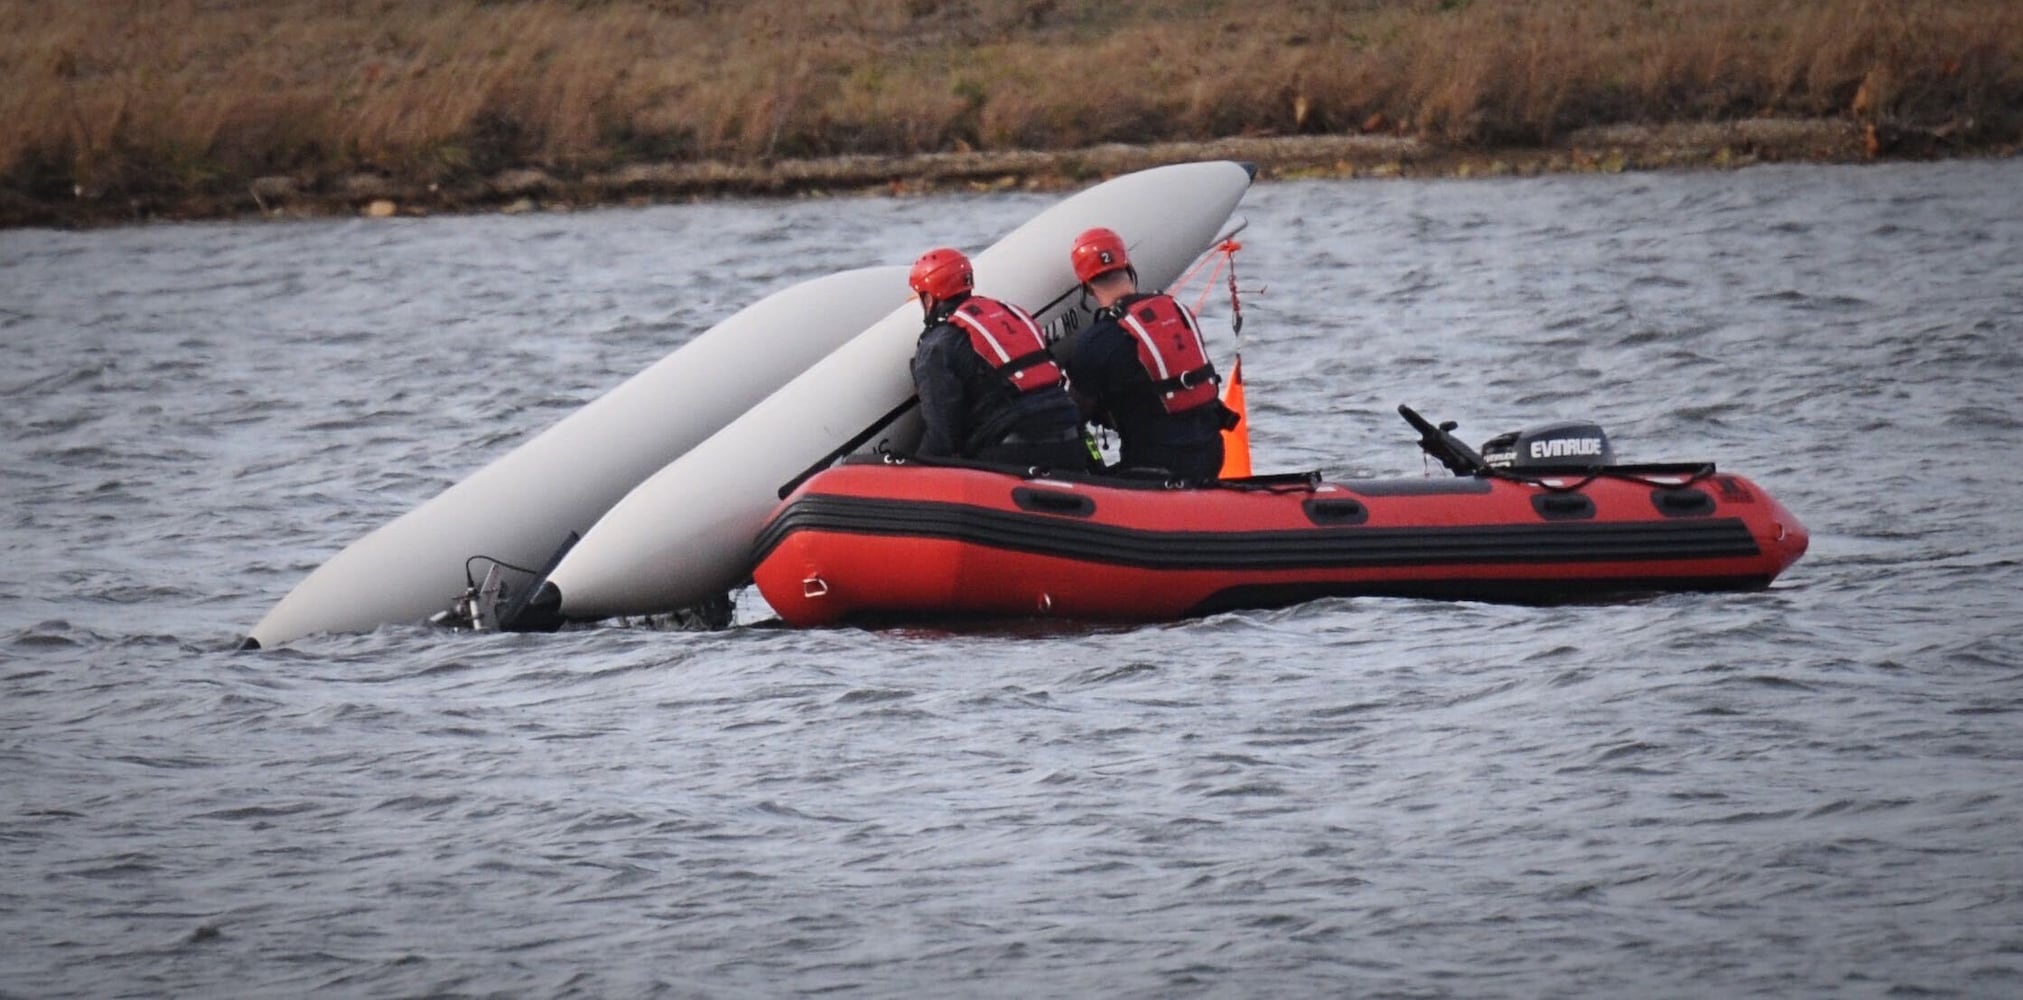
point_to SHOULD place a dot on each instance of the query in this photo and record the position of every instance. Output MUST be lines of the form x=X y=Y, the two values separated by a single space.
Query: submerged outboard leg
x=498 y=606
x=539 y=611
x=535 y=604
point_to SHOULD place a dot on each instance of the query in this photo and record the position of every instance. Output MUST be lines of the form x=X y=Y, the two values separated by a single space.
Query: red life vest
x=1009 y=341
x=1169 y=346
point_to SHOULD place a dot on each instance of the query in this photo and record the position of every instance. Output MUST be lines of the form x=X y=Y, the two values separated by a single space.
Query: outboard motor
x=1569 y=444
x=510 y=599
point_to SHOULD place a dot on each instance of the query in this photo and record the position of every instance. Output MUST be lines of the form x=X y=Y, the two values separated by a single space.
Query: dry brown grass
x=134 y=98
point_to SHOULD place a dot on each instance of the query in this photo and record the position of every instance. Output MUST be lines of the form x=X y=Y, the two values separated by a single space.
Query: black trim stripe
x=1316 y=548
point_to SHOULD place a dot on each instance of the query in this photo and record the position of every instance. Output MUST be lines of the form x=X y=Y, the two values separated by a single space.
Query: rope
x=1220 y=259
x=1230 y=247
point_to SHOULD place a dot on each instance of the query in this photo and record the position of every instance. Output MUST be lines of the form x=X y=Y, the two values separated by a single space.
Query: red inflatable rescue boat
x=903 y=540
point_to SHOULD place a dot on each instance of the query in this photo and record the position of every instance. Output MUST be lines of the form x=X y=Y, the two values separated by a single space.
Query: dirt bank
x=1605 y=149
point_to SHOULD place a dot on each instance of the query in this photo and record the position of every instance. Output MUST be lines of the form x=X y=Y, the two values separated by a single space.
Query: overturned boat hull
x=527 y=505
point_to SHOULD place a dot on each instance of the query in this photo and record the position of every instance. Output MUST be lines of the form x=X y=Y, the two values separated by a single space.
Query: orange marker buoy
x=1236 y=440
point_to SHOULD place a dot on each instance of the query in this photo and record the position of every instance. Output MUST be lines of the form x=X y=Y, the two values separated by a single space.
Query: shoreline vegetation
x=121 y=111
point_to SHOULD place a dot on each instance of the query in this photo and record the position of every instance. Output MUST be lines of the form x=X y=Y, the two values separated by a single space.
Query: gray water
x=1809 y=791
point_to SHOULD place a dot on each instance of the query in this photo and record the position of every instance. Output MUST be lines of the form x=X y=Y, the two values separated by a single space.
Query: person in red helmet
x=988 y=388
x=1141 y=369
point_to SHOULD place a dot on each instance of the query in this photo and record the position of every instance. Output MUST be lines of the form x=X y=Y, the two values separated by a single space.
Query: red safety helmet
x=942 y=274
x=1097 y=252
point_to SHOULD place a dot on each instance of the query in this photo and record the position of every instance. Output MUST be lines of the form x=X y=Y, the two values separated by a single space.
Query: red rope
x=1223 y=257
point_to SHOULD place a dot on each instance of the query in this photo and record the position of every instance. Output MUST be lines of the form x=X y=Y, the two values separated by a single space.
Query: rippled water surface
x=1813 y=790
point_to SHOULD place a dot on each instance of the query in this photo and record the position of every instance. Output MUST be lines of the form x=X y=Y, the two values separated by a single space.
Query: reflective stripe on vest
x=1169 y=347
x=1009 y=341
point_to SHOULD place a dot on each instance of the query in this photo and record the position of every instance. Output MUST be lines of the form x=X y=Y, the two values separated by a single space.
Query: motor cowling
x=1566 y=444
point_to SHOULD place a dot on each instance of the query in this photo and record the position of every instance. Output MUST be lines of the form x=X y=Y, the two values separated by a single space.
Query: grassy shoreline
x=130 y=110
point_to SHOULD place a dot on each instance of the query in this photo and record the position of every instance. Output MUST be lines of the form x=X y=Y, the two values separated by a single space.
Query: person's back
x=1141 y=369
x=988 y=388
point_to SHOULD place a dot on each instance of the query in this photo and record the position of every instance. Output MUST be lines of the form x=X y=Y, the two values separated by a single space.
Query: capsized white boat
x=527 y=504
x=685 y=535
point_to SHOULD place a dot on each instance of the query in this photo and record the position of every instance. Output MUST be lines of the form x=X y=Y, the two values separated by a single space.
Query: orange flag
x=1236 y=440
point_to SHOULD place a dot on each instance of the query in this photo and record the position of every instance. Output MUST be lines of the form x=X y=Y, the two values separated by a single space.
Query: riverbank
x=1607 y=149
x=120 y=112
